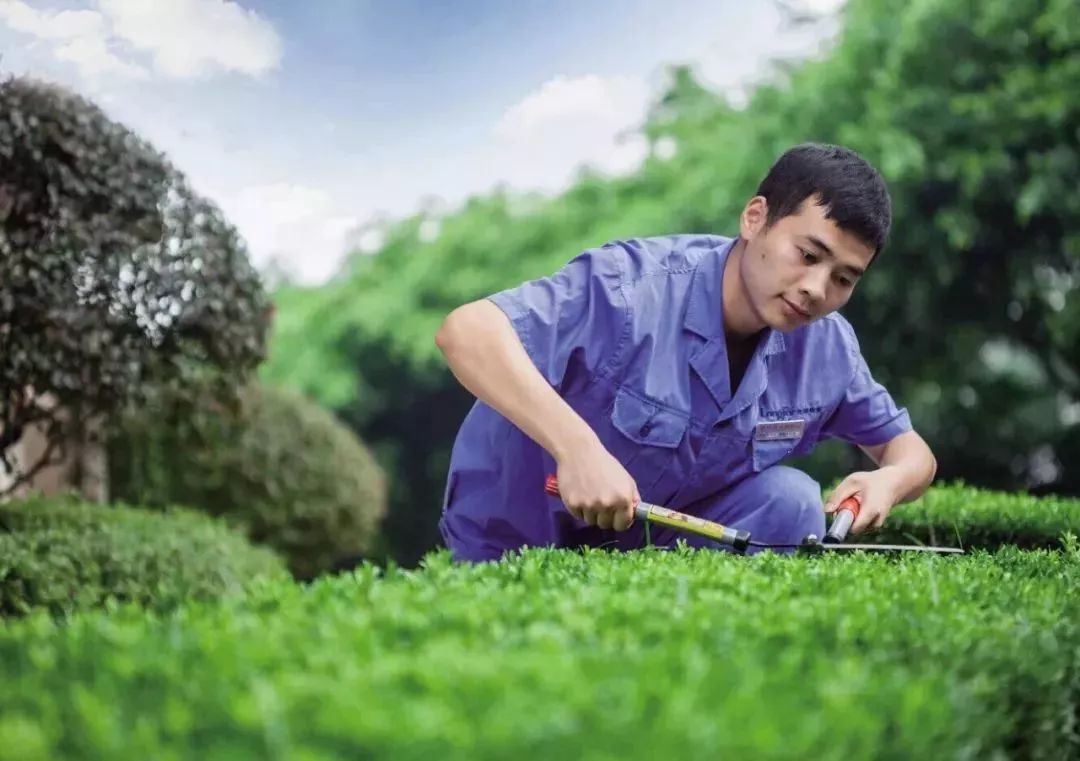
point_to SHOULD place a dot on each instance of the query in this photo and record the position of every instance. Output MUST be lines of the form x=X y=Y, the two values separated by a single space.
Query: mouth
x=796 y=310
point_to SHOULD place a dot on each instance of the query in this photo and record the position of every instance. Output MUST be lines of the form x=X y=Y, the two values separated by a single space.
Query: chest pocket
x=644 y=436
x=768 y=452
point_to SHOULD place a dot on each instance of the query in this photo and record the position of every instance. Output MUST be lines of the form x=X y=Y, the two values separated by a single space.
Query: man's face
x=800 y=269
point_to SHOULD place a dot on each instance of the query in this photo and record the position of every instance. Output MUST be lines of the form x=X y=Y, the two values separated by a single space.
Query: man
x=681 y=370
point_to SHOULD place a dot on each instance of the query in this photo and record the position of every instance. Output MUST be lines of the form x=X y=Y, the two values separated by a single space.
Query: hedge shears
x=740 y=540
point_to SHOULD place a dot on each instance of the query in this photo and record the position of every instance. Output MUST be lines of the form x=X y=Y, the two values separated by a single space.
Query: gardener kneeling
x=681 y=370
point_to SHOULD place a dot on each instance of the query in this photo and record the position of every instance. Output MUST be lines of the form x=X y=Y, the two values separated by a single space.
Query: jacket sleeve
x=867 y=413
x=572 y=322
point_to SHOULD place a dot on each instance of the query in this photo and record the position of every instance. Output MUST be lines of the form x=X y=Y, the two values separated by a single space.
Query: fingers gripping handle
x=845 y=516
x=662 y=515
x=551 y=486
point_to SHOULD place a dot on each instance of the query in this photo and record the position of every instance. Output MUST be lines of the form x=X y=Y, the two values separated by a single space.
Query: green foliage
x=965 y=106
x=114 y=275
x=594 y=655
x=61 y=555
x=276 y=465
x=970 y=316
x=958 y=515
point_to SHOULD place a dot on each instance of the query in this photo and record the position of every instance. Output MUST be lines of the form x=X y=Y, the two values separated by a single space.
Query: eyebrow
x=821 y=244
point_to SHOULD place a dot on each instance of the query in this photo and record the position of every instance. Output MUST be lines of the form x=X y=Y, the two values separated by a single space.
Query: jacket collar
x=705 y=310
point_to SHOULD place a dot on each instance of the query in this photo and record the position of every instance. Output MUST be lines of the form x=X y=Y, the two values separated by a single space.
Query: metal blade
x=882 y=547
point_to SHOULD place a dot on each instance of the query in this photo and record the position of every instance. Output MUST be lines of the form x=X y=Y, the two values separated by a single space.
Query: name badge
x=779 y=429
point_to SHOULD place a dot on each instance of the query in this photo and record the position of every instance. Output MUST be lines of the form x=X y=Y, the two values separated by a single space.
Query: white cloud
x=55 y=25
x=287 y=222
x=589 y=100
x=192 y=38
x=822 y=6
x=93 y=58
x=736 y=66
x=540 y=141
x=184 y=39
x=77 y=37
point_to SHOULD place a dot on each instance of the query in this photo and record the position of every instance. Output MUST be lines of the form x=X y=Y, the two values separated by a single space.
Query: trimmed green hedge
x=61 y=555
x=958 y=515
x=277 y=465
x=691 y=654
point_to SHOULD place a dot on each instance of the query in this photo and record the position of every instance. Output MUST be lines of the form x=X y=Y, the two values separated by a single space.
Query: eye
x=808 y=257
x=846 y=282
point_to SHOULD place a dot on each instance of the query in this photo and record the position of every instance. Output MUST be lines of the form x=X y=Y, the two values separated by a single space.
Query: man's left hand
x=877 y=494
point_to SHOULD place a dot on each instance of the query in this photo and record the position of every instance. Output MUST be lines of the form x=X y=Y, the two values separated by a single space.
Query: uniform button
x=645 y=429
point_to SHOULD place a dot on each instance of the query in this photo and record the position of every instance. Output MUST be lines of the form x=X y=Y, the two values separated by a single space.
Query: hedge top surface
x=61 y=554
x=698 y=654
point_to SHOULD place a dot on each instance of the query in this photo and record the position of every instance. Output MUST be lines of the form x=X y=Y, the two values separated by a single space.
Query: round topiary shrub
x=115 y=276
x=64 y=554
x=276 y=464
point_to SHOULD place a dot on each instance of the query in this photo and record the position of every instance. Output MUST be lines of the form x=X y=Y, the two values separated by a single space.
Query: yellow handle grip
x=674 y=519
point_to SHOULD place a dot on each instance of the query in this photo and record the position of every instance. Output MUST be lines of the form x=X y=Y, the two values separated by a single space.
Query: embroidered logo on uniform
x=783 y=412
x=779 y=429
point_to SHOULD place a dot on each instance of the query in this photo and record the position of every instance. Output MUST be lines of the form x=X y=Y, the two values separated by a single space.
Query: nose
x=813 y=286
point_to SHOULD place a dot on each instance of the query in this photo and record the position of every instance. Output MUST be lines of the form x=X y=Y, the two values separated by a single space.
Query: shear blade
x=882 y=547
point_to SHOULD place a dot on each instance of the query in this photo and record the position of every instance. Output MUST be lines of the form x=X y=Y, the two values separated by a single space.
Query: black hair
x=851 y=190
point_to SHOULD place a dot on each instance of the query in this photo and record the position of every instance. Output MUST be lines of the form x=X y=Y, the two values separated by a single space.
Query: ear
x=753 y=218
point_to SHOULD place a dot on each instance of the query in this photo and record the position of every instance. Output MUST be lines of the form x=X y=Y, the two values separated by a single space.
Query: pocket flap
x=768 y=452
x=647 y=423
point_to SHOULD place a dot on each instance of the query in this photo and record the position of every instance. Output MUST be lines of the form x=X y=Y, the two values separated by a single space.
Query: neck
x=740 y=321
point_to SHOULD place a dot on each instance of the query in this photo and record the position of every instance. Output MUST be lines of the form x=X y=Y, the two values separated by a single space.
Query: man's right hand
x=597 y=489
x=484 y=352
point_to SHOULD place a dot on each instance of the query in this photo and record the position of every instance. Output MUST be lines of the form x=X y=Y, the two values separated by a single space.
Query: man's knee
x=792 y=506
x=780 y=505
x=792 y=482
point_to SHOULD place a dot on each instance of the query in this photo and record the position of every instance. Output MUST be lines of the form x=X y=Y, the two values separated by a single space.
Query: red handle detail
x=852 y=503
x=551 y=486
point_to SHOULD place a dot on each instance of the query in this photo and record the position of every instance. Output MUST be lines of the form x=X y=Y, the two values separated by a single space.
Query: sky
x=310 y=123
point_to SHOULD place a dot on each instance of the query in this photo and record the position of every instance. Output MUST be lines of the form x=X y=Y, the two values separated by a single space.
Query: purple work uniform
x=631 y=336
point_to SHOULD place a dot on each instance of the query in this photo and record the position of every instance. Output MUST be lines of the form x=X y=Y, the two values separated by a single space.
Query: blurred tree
x=114 y=276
